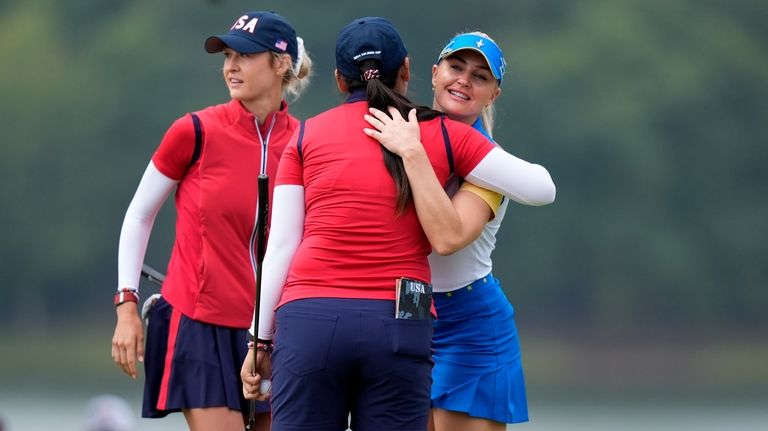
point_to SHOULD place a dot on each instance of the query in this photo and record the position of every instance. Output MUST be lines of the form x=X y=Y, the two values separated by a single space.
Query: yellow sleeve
x=490 y=197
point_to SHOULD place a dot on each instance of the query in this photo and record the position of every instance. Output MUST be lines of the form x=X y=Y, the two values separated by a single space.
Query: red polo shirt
x=210 y=277
x=354 y=245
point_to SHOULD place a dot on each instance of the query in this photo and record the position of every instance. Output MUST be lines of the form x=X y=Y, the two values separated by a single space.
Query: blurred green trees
x=649 y=115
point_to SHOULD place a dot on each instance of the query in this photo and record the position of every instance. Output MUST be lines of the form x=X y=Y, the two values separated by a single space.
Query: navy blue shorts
x=190 y=364
x=341 y=358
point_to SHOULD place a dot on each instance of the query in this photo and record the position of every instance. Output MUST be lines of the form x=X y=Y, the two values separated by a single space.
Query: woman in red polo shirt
x=344 y=232
x=196 y=335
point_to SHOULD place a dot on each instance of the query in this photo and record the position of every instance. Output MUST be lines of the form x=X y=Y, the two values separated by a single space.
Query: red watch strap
x=126 y=296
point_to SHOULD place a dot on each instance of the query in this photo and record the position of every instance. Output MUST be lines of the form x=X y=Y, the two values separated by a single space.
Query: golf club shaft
x=261 y=243
x=152 y=274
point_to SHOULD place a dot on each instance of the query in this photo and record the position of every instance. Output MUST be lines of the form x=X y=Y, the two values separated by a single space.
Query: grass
x=556 y=365
x=726 y=366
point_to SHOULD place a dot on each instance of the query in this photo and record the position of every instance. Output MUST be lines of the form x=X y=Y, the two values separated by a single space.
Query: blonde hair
x=488 y=114
x=296 y=79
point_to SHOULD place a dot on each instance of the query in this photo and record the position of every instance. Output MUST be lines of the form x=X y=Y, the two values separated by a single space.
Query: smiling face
x=463 y=85
x=253 y=77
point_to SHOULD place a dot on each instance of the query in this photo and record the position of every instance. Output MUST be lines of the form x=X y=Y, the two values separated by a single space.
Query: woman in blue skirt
x=478 y=375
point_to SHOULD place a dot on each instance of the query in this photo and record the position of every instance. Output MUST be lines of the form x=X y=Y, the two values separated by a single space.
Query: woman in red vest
x=196 y=335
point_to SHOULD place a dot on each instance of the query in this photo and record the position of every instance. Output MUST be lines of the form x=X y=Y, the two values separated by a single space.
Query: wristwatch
x=124 y=296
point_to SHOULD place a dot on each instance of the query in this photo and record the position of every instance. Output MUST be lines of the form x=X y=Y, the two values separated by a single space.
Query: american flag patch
x=281 y=45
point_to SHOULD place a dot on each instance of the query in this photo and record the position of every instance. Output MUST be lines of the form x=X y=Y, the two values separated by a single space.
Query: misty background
x=644 y=284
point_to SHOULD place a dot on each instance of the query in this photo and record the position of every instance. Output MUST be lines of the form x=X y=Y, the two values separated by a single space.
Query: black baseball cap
x=257 y=31
x=369 y=38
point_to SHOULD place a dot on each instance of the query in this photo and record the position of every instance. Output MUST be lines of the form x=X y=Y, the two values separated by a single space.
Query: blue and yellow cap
x=485 y=46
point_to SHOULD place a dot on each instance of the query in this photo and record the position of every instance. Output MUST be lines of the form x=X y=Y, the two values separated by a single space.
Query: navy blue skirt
x=478 y=368
x=190 y=364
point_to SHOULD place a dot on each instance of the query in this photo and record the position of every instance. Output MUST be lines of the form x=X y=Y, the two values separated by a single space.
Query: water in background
x=571 y=387
x=62 y=413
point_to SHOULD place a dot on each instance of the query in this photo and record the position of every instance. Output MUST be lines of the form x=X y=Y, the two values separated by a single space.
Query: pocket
x=303 y=340
x=498 y=306
x=410 y=337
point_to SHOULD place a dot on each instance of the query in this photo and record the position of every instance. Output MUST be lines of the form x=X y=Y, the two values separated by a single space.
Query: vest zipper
x=262 y=170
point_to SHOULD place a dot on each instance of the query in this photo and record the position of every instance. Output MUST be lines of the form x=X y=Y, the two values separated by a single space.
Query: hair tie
x=296 y=69
x=370 y=74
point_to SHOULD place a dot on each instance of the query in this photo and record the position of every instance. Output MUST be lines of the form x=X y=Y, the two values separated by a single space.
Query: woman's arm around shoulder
x=523 y=182
x=450 y=224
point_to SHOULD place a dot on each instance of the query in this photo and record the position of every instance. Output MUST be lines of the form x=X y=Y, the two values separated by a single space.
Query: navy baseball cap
x=369 y=38
x=482 y=44
x=257 y=31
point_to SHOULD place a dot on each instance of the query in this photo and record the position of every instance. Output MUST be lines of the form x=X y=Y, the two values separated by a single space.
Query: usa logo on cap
x=255 y=32
x=240 y=24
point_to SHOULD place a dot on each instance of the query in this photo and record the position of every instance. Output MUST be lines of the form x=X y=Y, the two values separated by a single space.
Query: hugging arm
x=450 y=224
x=523 y=182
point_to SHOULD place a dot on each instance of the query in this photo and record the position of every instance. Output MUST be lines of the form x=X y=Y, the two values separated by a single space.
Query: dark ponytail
x=381 y=96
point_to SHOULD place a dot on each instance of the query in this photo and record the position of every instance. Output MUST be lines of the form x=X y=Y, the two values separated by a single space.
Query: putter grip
x=263 y=215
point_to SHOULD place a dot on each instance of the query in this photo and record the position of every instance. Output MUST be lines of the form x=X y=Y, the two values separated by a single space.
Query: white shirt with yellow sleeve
x=473 y=261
